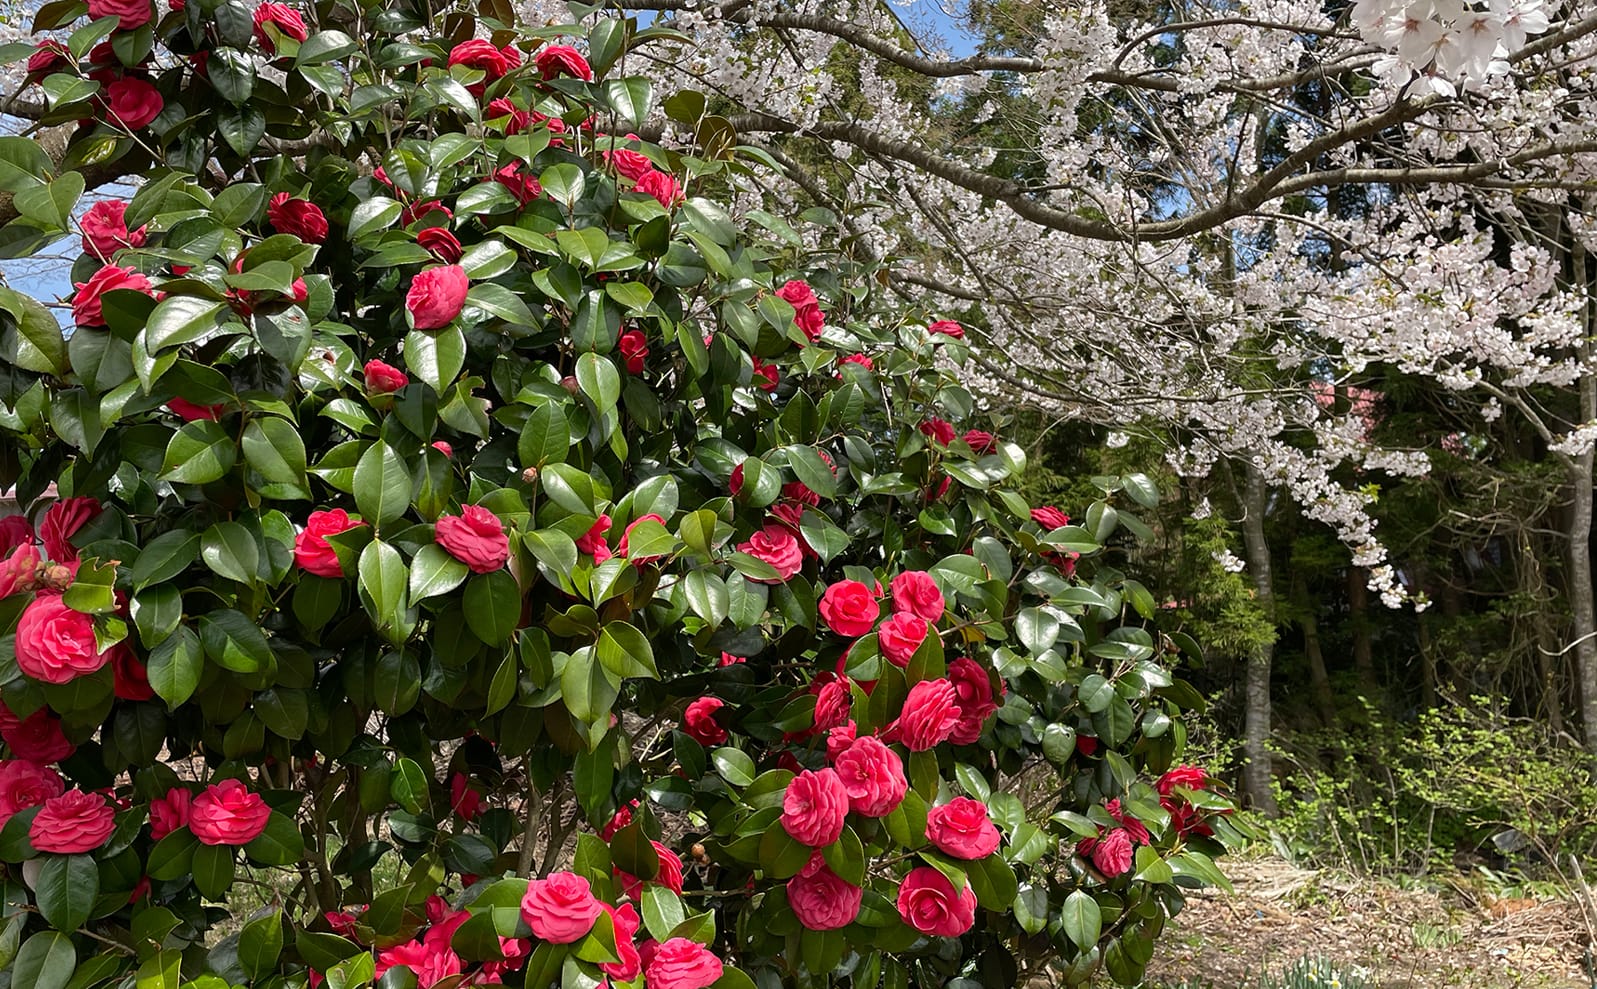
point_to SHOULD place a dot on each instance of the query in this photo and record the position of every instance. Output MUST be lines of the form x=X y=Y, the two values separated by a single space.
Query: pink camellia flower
x=961 y=828
x=300 y=217
x=19 y=571
x=521 y=185
x=25 y=784
x=1049 y=517
x=476 y=537
x=873 y=776
x=282 y=17
x=382 y=378
x=849 y=608
x=227 y=813
x=766 y=376
x=105 y=229
x=947 y=328
x=634 y=348
x=437 y=295
x=928 y=903
x=900 y=636
x=132 y=102
x=63 y=521
x=194 y=412
x=980 y=442
x=940 y=430
x=832 y=702
x=807 y=308
x=669 y=876
x=630 y=964
x=776 y=545
x=443 y=447
x=839 y=740
x=626 y=550
x=822 y=900
x=311 y=550
x=699 y=721
x=36 y=738
x=15 y=530
x=973 y=694
x=49 y=56
x=727 y=659
x=170 y=812
x=622 y=818
x=815 y=807
x=1112 y=853
x=86 y=310
x=131 y=14
x=593 y=542
x=662 y=186
x=73 y=823
x=560 y=909
x=430 y=961
x=929 y=715
x=1133 y=827
x=441 y=244
x=682 y=964
x=916 y=593
x=55 y=644
x=563 y=60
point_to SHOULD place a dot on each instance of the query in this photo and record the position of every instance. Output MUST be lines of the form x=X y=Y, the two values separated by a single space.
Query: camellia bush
x=477 y=555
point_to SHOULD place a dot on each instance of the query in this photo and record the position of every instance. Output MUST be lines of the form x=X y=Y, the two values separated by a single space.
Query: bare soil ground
x=1399 y=938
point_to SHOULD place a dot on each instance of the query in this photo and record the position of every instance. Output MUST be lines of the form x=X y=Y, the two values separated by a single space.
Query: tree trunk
x=1580 y=576
x=1358 y=606
x=1319 y=679
x=1256 y=773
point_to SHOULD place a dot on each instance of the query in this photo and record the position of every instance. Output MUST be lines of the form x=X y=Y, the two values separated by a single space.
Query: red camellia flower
x=86 y=300
x=873 y=776
x=822 y=900
x=776 y=545
x=19 y=572
x=947 y=328
x=634 y=347
x=973 y=693
x=382 y=378
x=133 y=102
x=661 y=186
x=227 y=813
x=1112 y=853
x=436 y=296
x=36 y=738
x=443 y=447
x=929 y=716
x=194 y=412
x=311 y=550
x=130 y=681
x=49 y=56
x=1189 y=777
x=980 y=442
x=131 y=14
x=682 y=964
x=622 y=818
x=563 y=60
x=849 y=608
x=807 y=308
x=940 y=430
x=300 y=217
x=815 y=807
x=73 y=823
x=916 y=593
x=282 y=17
x=431 y=211
x=105 y=229
x=521 y=185
x=430 y=960
x=55 y=644
x=727 y=659
x=626 y=923
x=631 y=164
x=669 y=876
x=625 y=549
x=900 y=636
x=25 y=784
x=699 y=721
x=1049 y=517
x=475 y=537
x=928 y=903
x=593 y=542
x=560 y=909
x=440 y=243
x=479 y=53
x=766 y=376
x=170 y=812
x=63 y=521
x=860 y=359
x=463 y=800
x=519 y=120
x=1135 y=828
x=15 y=531
x=961 y=828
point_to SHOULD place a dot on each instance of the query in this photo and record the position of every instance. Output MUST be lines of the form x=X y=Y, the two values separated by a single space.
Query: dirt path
x=1399 y=938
